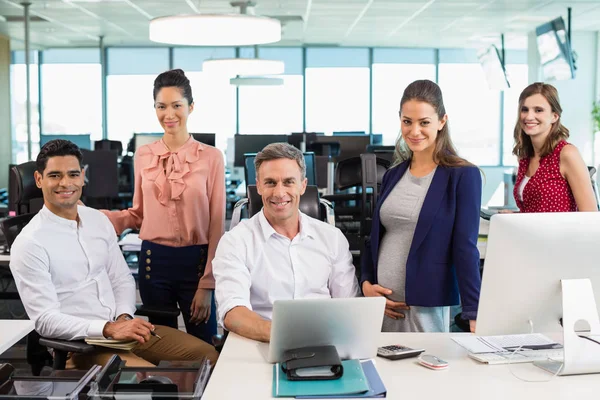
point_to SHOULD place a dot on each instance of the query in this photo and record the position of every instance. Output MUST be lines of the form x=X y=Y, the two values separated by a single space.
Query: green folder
x=352 y=382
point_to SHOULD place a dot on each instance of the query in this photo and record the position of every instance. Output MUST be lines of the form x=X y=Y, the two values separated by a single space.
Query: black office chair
x=102 y=178
x=111 y=145
x=23 y=194
x=310 y=204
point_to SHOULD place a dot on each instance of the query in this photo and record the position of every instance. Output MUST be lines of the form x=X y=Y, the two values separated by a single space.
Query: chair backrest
x=102 y=173
x=112 y=145
x=23 y=194
x=250 y=170
x=11 y=227
x=309 y=202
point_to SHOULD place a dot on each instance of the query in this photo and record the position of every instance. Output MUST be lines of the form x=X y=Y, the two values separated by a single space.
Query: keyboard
x=525 y=356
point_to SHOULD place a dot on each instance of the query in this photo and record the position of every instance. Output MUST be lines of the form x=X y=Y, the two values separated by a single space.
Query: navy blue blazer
x=443 y=256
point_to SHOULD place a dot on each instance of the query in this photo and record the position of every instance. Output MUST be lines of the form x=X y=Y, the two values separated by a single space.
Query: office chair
x=102 y=178
x=310 y=204
x=111 y=145
x=24 y=196
x=592 y=171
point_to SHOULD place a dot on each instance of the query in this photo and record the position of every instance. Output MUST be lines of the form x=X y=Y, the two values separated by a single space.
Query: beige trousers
x=174 y=345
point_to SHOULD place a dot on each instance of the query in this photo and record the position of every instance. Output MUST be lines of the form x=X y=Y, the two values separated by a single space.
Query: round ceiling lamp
x=243 y=66
x=242 y=29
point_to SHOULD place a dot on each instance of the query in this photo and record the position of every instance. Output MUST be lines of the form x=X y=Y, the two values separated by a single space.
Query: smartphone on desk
x=397 y=352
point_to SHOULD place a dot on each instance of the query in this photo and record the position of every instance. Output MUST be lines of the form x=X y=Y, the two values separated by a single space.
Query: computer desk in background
x=4 y=260
x=243 y=373
x=13 y=330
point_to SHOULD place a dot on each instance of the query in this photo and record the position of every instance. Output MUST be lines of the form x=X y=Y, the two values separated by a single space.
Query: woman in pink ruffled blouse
x=179 y=208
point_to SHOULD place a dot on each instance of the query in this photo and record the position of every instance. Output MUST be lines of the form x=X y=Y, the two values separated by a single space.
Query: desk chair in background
x=310 y=204
x=102 y=178
x=23 y=195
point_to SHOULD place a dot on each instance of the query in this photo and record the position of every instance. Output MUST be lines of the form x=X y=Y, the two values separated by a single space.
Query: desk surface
x=243 y=373
x=13 y=330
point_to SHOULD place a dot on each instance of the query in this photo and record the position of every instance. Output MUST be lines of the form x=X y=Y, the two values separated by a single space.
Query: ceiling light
x=216 y=29
x=256 y=81
x=243 y=66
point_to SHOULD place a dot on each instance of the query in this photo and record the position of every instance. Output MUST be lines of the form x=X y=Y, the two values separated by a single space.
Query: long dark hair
x=523 y=146
x=444 y=153
x=174 y=78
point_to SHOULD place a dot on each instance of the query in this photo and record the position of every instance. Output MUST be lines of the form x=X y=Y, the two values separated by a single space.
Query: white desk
x=243 y=373
x=13 y=330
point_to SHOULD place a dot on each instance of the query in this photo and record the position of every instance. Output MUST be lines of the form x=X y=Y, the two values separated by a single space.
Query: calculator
x=397 y=352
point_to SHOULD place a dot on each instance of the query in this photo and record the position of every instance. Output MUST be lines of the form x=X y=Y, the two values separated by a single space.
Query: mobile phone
x=432 y=362
x=397 y=352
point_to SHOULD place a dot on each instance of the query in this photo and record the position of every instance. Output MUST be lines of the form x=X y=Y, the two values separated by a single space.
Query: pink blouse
x=179 y=198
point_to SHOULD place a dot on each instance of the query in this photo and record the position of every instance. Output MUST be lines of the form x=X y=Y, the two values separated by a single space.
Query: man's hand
x=135 y=329
x=391 y=307
x=472 y=325
x=200 y=308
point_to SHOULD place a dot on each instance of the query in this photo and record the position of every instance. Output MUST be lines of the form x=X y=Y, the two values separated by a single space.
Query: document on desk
x=492 y=344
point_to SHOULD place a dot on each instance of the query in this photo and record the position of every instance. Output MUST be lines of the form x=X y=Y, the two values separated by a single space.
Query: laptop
x=352 y=325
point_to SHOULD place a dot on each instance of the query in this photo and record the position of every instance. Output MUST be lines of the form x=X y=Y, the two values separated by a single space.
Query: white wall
x=576 y=95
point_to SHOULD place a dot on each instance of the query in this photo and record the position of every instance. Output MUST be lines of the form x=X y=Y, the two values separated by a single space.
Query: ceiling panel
x=414 y=23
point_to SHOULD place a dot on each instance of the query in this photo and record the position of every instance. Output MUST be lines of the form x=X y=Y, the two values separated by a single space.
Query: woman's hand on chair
x=391 y=307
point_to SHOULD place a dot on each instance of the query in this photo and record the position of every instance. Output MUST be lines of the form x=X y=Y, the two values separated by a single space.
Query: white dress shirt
x=71 y=275
x=254 y=265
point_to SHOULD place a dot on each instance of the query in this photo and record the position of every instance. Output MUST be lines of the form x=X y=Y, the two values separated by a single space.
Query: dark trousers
x=168 y=278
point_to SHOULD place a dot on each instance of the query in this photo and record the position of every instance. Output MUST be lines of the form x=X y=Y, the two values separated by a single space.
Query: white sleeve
x=342 y=280
x=232 y=276
x=30 y=266
x=122 y=282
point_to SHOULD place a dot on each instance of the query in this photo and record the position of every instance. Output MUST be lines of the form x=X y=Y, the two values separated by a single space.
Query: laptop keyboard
x=519 y=357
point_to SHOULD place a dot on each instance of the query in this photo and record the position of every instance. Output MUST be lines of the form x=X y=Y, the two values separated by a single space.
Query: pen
x=155 y=334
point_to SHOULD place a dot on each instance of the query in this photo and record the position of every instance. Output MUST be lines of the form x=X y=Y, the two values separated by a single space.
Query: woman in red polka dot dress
x=552 y=175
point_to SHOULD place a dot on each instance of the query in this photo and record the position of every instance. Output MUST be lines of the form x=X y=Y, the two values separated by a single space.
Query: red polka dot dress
x=547 y=190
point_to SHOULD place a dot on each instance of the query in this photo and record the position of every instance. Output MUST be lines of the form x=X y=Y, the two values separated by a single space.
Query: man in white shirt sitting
x=72 y=278
x=280 y=253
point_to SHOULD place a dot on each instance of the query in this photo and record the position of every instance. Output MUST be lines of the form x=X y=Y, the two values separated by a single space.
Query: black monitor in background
x=556 y=56
x=250 y=171
x=252 y=144
x=206 y=138
x=350 y=145
x=350 y=133
x=83 y=141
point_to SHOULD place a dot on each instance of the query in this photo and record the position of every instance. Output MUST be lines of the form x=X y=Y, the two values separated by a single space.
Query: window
x=389 y=82
x=337 y=90
x=18 y=108
x=473 y=112
x=274 y=109
x=72 y=99
x=518 y=78
x=130 y=106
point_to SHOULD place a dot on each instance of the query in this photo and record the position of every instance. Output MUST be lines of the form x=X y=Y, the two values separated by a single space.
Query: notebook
x=112 y=343
x=376 y=387
x=352 y=382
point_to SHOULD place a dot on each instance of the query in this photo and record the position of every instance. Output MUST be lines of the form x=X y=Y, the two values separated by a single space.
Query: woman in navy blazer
x=442 y=260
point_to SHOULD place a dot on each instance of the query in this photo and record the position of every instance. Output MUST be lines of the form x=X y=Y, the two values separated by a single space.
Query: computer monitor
x=349 y=133
x=83 y=141
x=527 y=256
x=141 y=139
x=350 y=145
x=352 y=325
x=206 y=138
x=253 y=144
x=250 y=171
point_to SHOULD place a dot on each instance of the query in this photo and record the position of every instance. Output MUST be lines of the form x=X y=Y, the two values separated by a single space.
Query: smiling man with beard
x=280 y=253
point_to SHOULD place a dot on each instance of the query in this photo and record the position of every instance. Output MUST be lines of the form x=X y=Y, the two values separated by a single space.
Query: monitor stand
x=581 y=356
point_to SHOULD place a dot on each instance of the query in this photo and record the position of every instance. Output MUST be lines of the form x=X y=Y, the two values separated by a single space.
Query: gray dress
x=399 y=215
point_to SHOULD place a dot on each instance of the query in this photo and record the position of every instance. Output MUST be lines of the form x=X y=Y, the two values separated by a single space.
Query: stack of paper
x=493 y=344
x=112 y=343
x=131 y=242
